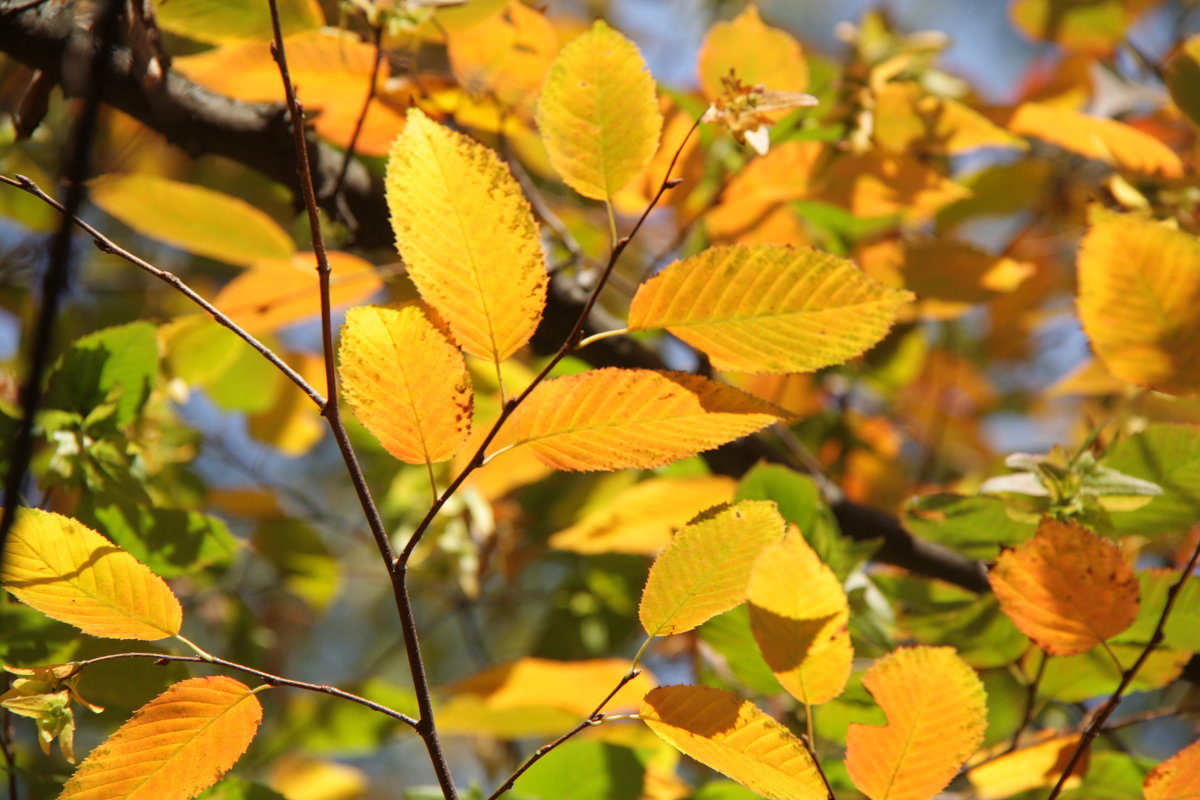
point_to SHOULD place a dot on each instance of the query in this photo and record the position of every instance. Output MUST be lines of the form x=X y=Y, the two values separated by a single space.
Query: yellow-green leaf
x=703 y=571
x=202 y=221
x=73 y=574
x=634 y=418
x=219 y=22
x=801 y=632
x=1139 y=288
x=1182 y=76
x=598 y=113
x=407 y=384
x=937 y=713
x=174 y=747
x=467 y=236
x=766 y=308
x=736 y=738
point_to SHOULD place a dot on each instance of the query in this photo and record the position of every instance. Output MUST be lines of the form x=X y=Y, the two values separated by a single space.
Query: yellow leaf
x=1094 y=27
x=736 y=738
x=307 y=779
x=765 y=186
x=575 y=686
x=506 y=55
x=294 y=424
x=1032 y=767
x=598 y=113
x=467 y=236
x=704 y=570
x=275 y=293
x=1095 y=137
x=407 y=384
x=633 y=418
x=1066 y=588
x=766 y=308
x=199 y=220
x=756 y=52
x=874 y=185
x=174 y=747
x=1139 y=288
x=937 y=713
x=1177 y=778
x=802 y=634
x=643 y=518
x=73 y=574
x=907 y=118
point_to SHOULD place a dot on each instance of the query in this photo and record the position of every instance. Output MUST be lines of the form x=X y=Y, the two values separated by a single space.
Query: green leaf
x=125 y=356
x=1182 y=631
x=219 y=22
x=1182 y=77
x=170 y=541
x=304 y=563
x=1073 y=679
x=584 y=770
x=977 y=527
x=730 y=635
x=31 y=638
x=1111 y=776
x=239 y=789
x=1168 y=455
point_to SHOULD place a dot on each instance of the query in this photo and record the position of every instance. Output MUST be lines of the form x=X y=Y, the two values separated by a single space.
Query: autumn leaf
x=468 y=237
x=598 y=113
x=508 y=54
x=758 y=54
x=704 y=570
x=1067 y=588
x=936 y=711
x=1095 y=137
x=1032 y=767
x=1177 y=778
x=1139 y=288
x=175 y=746
x=632 y=418
x=575 y=686
x=736 y=738
x=406 y=382
x=765 y=308
x=801 y=632
x=73 y=574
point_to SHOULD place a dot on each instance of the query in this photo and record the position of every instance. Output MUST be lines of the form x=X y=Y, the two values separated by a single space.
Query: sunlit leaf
x=765 y=186
x=506 y=55
x=736 y=738
x=1177 y=778
x=936 y=710
x=407 y=384
x=1066 y=588
x=208 y=21
x=179 y=743
x=1074 y=679
x=643 y=518
x=73 y=574
x=274 y=293
x=757 y=53
x=1095 y=137
x=1032 y=767
x=598 y=114
x=574 y=686
x=314 y=779
x=764 y=308
x=704 y=570
x=1139 y=287
x=468 y=237
x=799 y=613
x=193 y=218
x=124 y=356
x=1182 y=628
x=875 y=185
x=585 y=770
x=908 y=118
x=629 y=418
x=1168 y=455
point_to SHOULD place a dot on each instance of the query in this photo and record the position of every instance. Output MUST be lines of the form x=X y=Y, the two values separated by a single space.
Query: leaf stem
x=1030 y=700
x=612 y=222
x=595 y=337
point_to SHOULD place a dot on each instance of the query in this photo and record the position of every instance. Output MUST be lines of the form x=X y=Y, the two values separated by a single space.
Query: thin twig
x=1030 y=701
x=397 y=571
x=595 y=718
x=266 y=677
x=569 y=344
x=7 y=736
x=377 y=34
x=107 y=245
x=807 y=742
x=1105 y=711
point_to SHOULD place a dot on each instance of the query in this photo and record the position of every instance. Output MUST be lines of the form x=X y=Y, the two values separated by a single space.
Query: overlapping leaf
x=736 y=738
x=799 y=613
x=468 y=237
x=1139 y=288
x=765 y=308
x=937 y=713
x=1035 y=766
x=73 y=574
x=704 y=570
x=406 y=382
x=1177 y=778
x=175 y=746
x=632 y=418
x=1066 y=588
x=1095 y=137
x=598 y=113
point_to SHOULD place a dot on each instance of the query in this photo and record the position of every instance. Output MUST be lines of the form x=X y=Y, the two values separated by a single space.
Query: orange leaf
x=1139 y=288
x=873 y=185
x=704 y=570
x=734 y=737
x=633 y=418
x=1032 y=767
x=1177 y=778
x=756 y=52
x=73 y=574
x=802 y=634
x=766 y=308
x=407 y=384
x=468 y=237
x=763 y=187
x=1095 y=137
x=174 y=747
x=937 y=713
x=275 y=293
x=575 y=686
x=643 y=518
x=1066 y=588
x=507 y=54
